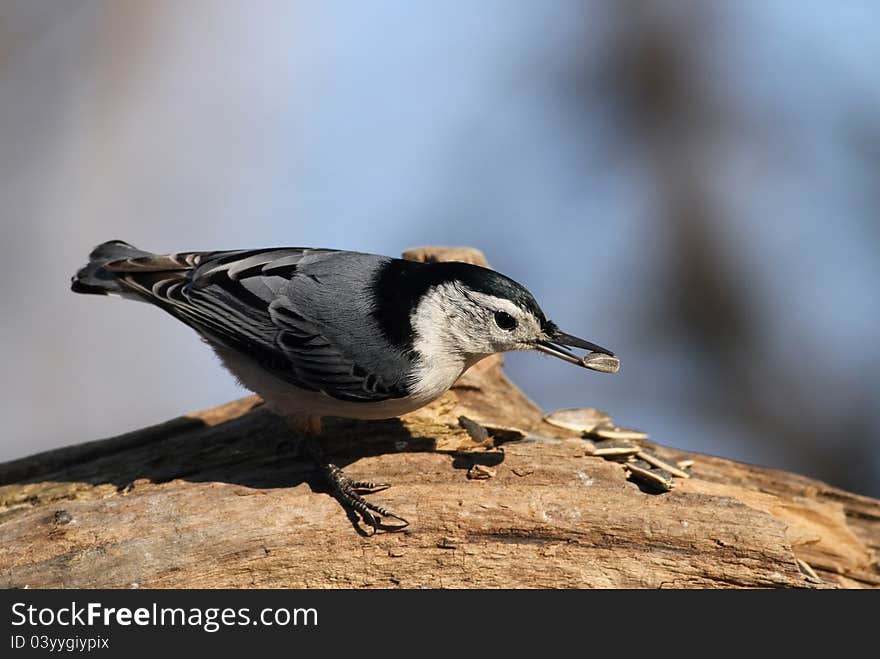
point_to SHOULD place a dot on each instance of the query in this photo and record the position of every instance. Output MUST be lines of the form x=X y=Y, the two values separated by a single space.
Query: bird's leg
x=347 y=491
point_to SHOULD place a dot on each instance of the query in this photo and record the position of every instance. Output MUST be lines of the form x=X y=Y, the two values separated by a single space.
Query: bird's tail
x=94 y=278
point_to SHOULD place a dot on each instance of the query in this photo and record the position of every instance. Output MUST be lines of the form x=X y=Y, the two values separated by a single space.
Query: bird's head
x=475 y=312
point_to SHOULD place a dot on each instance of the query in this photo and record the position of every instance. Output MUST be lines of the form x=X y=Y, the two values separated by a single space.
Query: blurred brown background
x=692 y=184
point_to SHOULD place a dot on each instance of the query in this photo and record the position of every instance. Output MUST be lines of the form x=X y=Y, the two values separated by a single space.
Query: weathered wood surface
x=221 y=499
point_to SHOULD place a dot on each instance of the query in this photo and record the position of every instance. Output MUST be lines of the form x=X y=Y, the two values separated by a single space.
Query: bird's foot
x=349 y=493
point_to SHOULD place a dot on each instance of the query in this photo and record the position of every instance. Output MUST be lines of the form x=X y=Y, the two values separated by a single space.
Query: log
x=222 y=499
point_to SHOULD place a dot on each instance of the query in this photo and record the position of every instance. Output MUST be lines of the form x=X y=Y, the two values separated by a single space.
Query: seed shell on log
x=630 y=434
x=579 y=419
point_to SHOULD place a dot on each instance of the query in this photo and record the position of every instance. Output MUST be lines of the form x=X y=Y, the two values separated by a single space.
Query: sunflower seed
x=580 y=419
x=598 y=361
x=610 y=451
x=654 y=461
x=480 y=473
x=501 y=433
x=620 y=433
x=808 y=571
x=655 y=478
x=477 y=432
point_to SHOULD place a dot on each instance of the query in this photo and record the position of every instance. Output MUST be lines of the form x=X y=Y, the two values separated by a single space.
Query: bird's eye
x=504 y=320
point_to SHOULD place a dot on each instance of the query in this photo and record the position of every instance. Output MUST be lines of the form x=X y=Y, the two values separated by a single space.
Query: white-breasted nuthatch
x=322 y=332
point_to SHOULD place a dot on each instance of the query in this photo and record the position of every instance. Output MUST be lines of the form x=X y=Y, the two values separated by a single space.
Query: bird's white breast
x=292 y=402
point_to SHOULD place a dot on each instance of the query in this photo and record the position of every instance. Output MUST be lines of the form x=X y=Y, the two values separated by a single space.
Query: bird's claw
x=368 y=487
x=347 y=491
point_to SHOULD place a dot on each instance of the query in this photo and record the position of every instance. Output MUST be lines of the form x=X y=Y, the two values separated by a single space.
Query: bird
x=324 y=332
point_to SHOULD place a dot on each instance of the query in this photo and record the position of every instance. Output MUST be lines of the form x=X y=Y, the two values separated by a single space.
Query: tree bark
x=221 y=498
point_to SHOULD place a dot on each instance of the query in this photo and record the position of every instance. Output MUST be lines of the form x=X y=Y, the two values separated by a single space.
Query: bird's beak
x=597 y=359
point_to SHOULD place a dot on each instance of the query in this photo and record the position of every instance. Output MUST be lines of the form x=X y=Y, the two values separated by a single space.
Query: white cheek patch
x=452 y=327
x=438 y=339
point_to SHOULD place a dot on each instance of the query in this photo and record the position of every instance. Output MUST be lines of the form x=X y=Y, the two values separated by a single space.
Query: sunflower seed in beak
x=603 y=363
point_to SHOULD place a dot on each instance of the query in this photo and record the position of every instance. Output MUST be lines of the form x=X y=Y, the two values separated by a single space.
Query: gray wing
x=298 y=312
